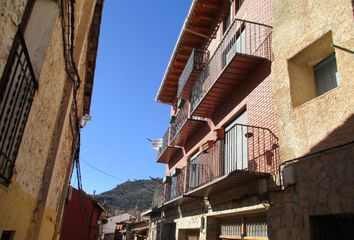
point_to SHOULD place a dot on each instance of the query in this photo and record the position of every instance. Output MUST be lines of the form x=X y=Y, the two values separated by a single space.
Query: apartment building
x=312 y=75
x=221 y=146
x=260 y=142
x=47 y=62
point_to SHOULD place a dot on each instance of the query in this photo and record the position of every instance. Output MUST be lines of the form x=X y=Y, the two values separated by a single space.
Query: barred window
x=17 y=87
x=251 y=227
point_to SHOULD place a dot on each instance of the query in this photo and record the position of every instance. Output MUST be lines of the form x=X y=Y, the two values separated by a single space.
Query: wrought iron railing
x=17 y=88
x=170 y=190
x=158 y=196
x=181 y=117
x=243 y=37
x=245 y=148
x=250 y=148
x=165 y=142
x=205 y=167
x=177 y=184
x=197 y=61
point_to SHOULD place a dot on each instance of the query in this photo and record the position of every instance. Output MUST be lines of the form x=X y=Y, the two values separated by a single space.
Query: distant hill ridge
x=131 y=194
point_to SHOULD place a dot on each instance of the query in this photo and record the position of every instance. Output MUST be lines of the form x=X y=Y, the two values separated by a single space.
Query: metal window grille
x=17 y=88
x=250 y=226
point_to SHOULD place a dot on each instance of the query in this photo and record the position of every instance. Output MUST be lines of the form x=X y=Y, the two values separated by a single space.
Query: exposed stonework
x=325 y=185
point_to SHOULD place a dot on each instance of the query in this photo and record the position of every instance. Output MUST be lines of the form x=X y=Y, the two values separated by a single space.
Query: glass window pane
x=326 y=75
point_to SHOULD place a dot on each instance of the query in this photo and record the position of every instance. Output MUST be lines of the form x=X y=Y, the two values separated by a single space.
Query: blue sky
x=136 y=41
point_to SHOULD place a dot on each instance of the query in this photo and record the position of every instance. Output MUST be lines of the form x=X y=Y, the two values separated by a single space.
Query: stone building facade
x=47 y=61
x=299 y=185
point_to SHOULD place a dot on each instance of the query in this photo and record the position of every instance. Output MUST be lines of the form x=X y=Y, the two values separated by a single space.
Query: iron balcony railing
x=242 y=37
x=181 y=117
x=161 y=195
x=17 y=88
x=165 y=142
x=197 y=61
x=205 y=167
x=245 y=148
x=177 y=185
x=170 y=190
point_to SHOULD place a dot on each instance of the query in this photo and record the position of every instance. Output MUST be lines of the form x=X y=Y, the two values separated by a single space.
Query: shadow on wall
x=341 y=135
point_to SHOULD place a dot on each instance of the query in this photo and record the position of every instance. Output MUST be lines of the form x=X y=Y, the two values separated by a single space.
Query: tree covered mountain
x=131 y=194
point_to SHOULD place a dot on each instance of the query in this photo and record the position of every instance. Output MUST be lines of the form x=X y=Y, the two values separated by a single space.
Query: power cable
x=101 y=171
x=112 y=176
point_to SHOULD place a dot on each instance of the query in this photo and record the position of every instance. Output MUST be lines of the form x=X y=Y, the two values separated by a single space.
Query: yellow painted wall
x=22 y=207
x=309 y=125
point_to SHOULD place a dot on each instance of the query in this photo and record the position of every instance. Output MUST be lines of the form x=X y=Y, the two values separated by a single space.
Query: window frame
x=325 y=66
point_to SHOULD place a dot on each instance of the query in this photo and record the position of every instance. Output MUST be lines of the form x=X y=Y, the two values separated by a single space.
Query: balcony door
x=236 y=45
x=235 y=145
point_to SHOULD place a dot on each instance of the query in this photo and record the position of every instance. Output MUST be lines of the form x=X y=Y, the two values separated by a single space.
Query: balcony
x=246 y=154
x=184 y=126
x=195 y=64
x=171 y=190
x=244 y=46
x=176 y=188
x=161 y=195
x=166 y=151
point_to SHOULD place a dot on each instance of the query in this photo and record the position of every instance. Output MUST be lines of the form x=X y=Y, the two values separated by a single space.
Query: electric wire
x=101 y=171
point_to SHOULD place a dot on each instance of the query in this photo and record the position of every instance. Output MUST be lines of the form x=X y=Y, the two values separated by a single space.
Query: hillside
x=131 y=194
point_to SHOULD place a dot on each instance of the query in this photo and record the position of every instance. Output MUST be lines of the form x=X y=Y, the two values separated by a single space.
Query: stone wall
x=324 y=185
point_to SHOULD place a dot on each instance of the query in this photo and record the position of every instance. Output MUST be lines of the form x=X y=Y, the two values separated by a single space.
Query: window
x=237 y=45
x=236 y=145
x=18 y=81
x=7 y=235
x=251 y=227
x=313 y=70
x=17 y=88
x=326 y=75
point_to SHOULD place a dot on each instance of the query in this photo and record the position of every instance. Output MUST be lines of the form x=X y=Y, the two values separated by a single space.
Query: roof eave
x=158 y=95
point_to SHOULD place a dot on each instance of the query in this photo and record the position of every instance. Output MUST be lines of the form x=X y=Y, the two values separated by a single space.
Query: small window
x=326 y=75
x=7 y=235
x=313 y=70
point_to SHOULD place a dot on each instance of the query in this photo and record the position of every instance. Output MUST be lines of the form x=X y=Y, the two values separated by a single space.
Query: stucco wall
x=31 y=203
x=296 y=25
x=10 y=17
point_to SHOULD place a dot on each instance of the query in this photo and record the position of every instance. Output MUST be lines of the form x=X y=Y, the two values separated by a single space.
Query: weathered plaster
x=32 y=204
x=302 y=129
x=10 y=17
